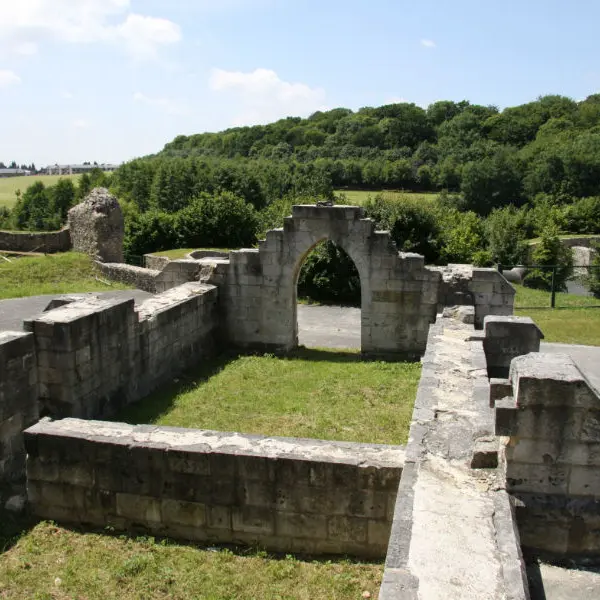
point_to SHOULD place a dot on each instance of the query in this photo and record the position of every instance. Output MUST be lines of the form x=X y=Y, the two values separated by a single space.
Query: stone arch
x=360 y=265
x=399 y=295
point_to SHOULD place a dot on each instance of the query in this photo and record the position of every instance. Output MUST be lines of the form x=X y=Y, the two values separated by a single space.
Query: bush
x=505 y=233
x=413 y=226
x=149 y=232
x=593 y=279
x=550 y=252
x=583 y=216
x=461 y=236
x=220 y=220
x=330 y=276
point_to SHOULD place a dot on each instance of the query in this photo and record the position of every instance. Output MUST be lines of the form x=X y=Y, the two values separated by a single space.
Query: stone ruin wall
x=40 y=241
x=96 y=226
x=285 y=494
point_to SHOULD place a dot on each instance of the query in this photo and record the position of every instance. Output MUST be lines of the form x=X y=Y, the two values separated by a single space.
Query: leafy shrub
x=220 y=220
x=461 y=236
x=505 y=233
x=583 y=216
x=148 y=232
x=593 y=279
x=550 y=252
x=413 y=226
x=330 y=276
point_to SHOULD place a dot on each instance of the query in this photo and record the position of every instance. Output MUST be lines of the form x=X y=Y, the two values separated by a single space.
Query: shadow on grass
x=159 y=403
x=142 y=536
x=13 y=527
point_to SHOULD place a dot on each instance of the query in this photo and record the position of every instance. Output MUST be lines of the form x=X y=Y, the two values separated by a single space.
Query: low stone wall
x=172 y=274
x=94 y=356
x=156 y=263
x=453 y=535
x=551 y=417
x=42 y=241
x=18 y=404
x=284 y=494
x=137 y=277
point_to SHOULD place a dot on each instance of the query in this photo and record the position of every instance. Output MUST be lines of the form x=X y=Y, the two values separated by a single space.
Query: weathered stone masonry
x=286 y=494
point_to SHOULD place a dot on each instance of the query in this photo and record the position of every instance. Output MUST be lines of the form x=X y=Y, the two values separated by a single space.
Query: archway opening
x=329 y=299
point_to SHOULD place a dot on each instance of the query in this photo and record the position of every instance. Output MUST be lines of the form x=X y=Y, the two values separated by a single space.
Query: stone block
x=190 y=514
x=139 y=509
x=585 y=481
x=347 y=529
x=378 y=533
x=536 y=478
x=301 y=525
x=253 y=519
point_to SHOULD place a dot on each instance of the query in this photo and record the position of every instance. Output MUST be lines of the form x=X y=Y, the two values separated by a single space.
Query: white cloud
x=80 y=124
x=167 y=105
x=66 y=95
x=8 y=78
x=27 y=23
x=428 y=43
x=262 y=96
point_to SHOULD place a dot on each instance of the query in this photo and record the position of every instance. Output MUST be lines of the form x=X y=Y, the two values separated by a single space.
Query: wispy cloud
x=26 y=24
x=263 y=96
x=167 y=105
x=428 y=43
x=8 y=78
x=81 y=124
x=66 y=95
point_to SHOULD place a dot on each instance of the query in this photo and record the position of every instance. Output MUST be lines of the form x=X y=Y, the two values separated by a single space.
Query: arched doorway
x=328 y=299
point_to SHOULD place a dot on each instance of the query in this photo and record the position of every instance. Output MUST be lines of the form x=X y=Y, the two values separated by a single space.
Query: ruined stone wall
x=399 y=296
x=41 y=241
x=550 y=416
x=171 y=274
x=18 y=403
x=283 y=494
x=94 y=356
x=453 y=534
x=97 y=227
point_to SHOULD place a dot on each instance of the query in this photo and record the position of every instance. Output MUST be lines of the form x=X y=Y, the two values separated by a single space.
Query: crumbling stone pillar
x=552 y=422
x=97 y=228
x=506 y=338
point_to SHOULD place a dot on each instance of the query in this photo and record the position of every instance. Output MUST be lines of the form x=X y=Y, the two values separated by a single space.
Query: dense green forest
x=501 y=177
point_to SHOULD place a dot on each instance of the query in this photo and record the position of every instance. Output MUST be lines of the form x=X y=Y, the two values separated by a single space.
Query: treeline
x=549 y=146
x=45 y=208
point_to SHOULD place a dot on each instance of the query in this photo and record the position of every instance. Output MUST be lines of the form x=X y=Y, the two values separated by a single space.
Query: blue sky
x=108 y=80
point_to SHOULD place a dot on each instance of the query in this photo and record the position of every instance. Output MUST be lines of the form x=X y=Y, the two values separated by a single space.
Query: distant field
x=361 y=196
x=9 y=185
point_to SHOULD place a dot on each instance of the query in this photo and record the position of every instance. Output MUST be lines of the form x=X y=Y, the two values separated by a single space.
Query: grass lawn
x=359 y=197
x=54 y=562
x=63 y=273
x=9 y=185
x=574 y=321
x=181 y=252
x=321 y=394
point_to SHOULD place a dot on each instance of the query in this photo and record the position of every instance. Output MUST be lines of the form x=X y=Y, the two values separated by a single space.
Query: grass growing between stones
x=321 y=394
x=54 y=562
x=63 y=273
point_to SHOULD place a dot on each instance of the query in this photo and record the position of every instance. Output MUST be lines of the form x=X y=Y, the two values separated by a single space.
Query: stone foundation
x=283 y=494
x=41 y=241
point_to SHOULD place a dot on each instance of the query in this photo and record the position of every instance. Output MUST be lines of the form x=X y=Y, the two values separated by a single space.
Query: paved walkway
x=13 y=311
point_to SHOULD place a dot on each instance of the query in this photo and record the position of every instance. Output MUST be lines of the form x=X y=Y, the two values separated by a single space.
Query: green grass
x=359 y=197
x=566 y=236
x=182 y=252
x=321 y=394
x=9 y=185
x=530 y=298
x=63 y=273
x=574 y=321
x=53 y=562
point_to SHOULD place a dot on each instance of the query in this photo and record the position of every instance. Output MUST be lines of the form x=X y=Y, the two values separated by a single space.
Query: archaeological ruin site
x=503 y=454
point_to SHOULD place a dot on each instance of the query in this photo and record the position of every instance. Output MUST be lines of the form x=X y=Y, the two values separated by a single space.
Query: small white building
x=75 y=169
x=14 y=172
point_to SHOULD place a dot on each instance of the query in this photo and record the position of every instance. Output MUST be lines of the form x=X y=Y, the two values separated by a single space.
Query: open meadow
x=359 y=197
x=9 y=185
